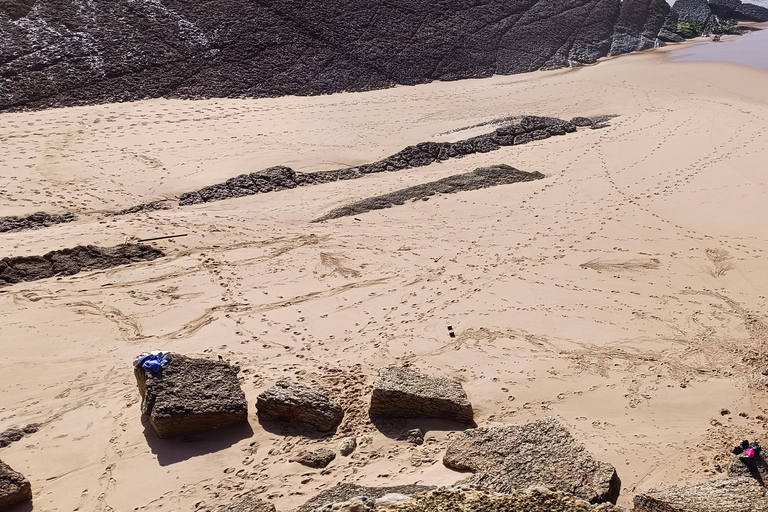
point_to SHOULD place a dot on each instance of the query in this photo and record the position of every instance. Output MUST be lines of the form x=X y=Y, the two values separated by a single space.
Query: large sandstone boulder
x=729 y=495
x=191 y=395
x=288 y=401
x=751 y=12
x=401 y=392
x=539 y=453
x=14 y=488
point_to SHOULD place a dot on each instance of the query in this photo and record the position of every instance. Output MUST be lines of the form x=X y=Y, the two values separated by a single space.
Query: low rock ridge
x=66 y=262
x=33 y=221
x=483 y=177
x=521 y=131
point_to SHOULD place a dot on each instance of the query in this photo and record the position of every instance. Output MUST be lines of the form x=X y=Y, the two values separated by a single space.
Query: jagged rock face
x=401 y=392
x=66 y=262
x=638 y=26
x=751 y=12
x=288 y=401
x=14 y=488
x=729 y=495
x=67 y=52
x=692 y=10
x=250 y=502
x=34 y=221
x=539 y=453
x=191 y=395
x=723 y=8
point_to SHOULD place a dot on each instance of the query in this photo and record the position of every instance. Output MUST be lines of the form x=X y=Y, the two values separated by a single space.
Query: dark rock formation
x=346 y=492
x=638 y=26
x=483 y=177
x=69 y=52
x=348 y=446
x=319 y=458
x=146 y=207
x=34 y=221
x=250 y=502
x=13 y=434
x=401 y=392
x=66 y=262
x=723 y=8
x=520 y=130
x=191 y=395
x=729 y=495
x=756 y=468
x=751 y=12
x=539 y=453
x=415 y=436
x=288 y=401
x=692 y=11
x=14 y=488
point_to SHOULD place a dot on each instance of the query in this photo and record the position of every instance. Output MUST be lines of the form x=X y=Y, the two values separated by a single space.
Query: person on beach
x=748 y=450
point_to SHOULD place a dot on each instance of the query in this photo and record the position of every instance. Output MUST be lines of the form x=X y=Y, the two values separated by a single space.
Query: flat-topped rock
x=14 y=488
x=401 y=392
x=729 y=495
x=191 y=395
x=288 y=401
x=539 y=453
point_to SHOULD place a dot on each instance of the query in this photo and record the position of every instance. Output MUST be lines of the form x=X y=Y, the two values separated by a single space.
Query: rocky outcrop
x=539 y=453
x=692 y=11
x=14 y=434
x=66 y=262
x=520 y=130
x=191 y=395
x=638 y=26
x=483 y=177
x=146 y=207
x=33 y=221
x=288 y=401
x=729 y=495
x=467 y=499
x=14 y=488
x=401 y=392
x=751 y=12
x=249 y=502
x=345 y=492
x=319 y=458
x=756 y=468
x=723 y=8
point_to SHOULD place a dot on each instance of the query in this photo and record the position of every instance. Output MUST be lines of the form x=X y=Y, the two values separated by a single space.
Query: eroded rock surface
x=751 y=12
x=319 y=458
x=14 y=434
x=33 y=221
x=539 y=453
x=728 y=495
x=723 y=8
x=401 y=392
x=345 y=492
x=756 y=468
x=288 y=401
x=483 y=177
x=66 y=262
x=191 y=395
x=250 y=502
x=638 y=25
x=146 y=207
x=14 y=488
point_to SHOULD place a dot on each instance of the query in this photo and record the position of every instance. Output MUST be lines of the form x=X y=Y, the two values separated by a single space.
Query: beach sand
x=624 y=294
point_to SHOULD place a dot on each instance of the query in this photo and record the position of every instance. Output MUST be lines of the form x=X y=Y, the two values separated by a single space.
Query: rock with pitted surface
x=728 y=495
x=191 y=395
x=638 y=26
x=34 y=221
x=539 y=453
x=288 y=401
x=402 y=392
x=692 y=11
x=249 y=502
x=14 y=488
x=751 y=12
x=756 y=468
x=66 y=262
x=723 y=8
x=348 y=446
x=346 y=492
x=319 y=458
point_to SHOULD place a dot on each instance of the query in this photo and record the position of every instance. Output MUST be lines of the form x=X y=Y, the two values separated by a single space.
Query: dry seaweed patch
x=633 y=265
x=721 y=262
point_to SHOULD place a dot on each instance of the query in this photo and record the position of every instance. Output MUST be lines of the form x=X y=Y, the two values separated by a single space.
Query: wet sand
x=747 y=50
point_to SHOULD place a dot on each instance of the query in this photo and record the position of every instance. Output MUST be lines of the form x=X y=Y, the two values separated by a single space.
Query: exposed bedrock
x=520 y=130
x=692 y=11
x=542 y=452
x=249 y=502
x=723 y=8
x=345 y=492
x=483 y=177
x=33 y=221
x=191 y=395
x=728 y=495
x=751 y=12
x=66 y=262
x=73 y=52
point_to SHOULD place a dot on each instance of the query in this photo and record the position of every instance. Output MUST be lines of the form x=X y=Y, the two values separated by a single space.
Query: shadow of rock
x=397 y=428
x=756 y=468
x=173 y=450
x=288 y=429
x=27 y=506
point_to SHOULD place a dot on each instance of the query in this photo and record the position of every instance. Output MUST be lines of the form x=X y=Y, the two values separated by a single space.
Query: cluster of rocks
x=34 y=221
x=146 y=207
x=14 y=434
x=191 y=395
x=66 y=262
x=483 y=177
x=520 y=131
x=691 y=18
x=14 y=488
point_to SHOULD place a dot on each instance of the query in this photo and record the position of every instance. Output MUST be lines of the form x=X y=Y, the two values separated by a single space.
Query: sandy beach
x=624 y=293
